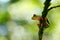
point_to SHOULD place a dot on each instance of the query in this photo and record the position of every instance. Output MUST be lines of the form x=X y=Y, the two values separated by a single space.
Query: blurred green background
x=16 y=22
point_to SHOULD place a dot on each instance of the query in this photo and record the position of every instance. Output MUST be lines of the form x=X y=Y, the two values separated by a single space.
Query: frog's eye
x=34 y=15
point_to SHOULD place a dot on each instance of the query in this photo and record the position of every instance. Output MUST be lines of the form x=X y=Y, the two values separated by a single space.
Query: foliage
x=13 y=1
x=4 y=17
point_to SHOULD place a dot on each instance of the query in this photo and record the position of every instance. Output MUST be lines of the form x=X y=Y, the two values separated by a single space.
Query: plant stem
x=44 y=13
x=53 y=7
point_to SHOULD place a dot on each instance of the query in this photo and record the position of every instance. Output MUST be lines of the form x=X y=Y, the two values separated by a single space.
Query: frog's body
x=35 y=17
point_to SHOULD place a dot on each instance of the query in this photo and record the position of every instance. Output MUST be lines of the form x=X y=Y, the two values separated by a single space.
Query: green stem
x=44 y=14
x=53 y=7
